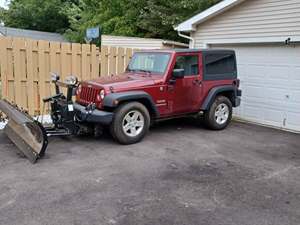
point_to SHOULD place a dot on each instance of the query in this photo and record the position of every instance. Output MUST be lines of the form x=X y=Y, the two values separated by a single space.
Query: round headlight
x=102 y=94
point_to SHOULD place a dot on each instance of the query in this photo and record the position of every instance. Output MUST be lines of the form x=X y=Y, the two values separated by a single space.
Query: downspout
x=192 y=41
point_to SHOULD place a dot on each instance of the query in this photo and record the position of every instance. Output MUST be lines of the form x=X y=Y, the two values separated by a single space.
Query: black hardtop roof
x=187 y=50
x=202 y=50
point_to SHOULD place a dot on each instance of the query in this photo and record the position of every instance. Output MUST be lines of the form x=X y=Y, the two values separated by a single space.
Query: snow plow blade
x=27 y=134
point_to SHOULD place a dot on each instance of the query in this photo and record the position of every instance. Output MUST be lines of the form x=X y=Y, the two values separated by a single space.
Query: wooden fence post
x=104 y=61
x=42 y=74
x=66 y=60
x=112 y=61
x=55 y=61
x=17 y=71
x=94 y=62
x=128 y=56
x=30 y=77
x=3 y=67
x=76 y=60
x=85 y=59
x=120 y=60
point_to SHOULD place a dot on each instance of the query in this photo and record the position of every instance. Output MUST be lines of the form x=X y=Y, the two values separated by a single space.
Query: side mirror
x=178 y=73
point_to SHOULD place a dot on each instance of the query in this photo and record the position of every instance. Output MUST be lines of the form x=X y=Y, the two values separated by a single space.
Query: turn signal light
x=100 y=96
x=78 y=91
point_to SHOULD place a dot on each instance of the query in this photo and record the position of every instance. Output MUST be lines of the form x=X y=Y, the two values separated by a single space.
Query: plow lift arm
x=29 y=135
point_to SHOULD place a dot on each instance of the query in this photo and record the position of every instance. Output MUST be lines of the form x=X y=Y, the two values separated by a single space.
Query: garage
x=270 y=80
x=266 y=37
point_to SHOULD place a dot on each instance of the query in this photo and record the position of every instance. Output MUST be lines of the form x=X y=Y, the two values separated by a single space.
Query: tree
x=141 y=18
x=115 y=17
x=36 y=15
x=158 y=17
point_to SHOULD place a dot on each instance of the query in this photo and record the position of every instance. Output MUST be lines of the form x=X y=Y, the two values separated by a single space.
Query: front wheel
x=131 y=123
x=220 y=114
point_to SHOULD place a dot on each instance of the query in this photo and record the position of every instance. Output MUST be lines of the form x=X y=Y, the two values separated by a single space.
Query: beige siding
x=140 y=43
x=252 y=21
x=129 y=42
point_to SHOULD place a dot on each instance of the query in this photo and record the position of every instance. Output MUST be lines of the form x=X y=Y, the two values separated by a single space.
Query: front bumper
x=95 y=116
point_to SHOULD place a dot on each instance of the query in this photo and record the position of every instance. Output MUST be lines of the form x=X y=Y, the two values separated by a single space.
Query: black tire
x=116 y=128
x=211 y=120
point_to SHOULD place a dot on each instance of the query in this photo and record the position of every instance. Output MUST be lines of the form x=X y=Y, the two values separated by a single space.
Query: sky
x=3 y=3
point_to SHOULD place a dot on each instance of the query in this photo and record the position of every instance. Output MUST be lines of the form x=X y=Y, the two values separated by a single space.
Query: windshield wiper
x=140 y=70
x=145 y=71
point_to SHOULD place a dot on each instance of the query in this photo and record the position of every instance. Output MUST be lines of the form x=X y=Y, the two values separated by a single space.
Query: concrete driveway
x=180 y=174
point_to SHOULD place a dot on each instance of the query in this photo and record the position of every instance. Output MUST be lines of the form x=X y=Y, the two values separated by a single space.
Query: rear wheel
x=220 y=114
x=131 y=123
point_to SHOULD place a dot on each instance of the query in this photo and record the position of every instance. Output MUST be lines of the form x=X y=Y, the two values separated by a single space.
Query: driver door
x=186 y=93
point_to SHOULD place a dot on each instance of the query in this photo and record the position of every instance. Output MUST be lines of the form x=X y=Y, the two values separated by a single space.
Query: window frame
x=219 y=76
x=197 y=54
x=153 y=73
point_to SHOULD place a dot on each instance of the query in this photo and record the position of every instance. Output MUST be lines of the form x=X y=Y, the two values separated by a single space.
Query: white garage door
x=270 y=80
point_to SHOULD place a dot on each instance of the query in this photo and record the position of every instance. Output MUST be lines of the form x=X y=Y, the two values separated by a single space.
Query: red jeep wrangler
x=157 y=85
x=162 y=84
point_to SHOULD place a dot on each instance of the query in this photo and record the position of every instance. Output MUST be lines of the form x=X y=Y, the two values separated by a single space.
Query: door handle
x=197 y=82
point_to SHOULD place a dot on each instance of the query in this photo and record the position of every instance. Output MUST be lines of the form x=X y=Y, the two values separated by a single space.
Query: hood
x=123 y=82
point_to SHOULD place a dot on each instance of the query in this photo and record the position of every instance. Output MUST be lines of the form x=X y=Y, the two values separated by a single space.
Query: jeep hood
x=126 y=81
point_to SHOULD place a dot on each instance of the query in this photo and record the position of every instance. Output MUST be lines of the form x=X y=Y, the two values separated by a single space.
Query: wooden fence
x=25 y=67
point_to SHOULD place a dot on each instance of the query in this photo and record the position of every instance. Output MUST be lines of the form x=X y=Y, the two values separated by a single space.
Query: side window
x=190 y=64
x=219 y=63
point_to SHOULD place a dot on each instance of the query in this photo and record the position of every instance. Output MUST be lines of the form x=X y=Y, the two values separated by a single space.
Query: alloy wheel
x=133 y=123
x=222 y=114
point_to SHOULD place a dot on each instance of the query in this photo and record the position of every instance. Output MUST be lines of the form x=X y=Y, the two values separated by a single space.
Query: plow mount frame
x=29 y=135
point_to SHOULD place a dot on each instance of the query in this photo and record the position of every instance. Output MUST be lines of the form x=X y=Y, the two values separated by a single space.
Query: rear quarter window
x=219 y=66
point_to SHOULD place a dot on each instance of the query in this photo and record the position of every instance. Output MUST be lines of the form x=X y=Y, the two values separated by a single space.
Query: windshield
x=149 y=62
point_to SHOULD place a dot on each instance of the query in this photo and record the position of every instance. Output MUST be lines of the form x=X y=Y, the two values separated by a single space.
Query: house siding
x=252 y=21
x=129 y=42
x=140 y=43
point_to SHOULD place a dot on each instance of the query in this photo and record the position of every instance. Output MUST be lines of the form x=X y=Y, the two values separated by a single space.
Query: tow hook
x=2 y=117
x=90 y=108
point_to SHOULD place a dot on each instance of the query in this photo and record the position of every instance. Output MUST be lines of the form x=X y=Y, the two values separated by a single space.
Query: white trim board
x=294 y=40
x=258 y=123
x=189 y=25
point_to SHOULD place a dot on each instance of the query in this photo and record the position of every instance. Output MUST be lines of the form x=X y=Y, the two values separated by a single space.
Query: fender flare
x=111 y=99
x=214 y=92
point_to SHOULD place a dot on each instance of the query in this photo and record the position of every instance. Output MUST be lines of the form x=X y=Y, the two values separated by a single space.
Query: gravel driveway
x=181 y=174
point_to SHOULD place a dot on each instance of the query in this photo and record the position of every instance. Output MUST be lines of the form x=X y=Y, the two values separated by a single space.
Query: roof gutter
x=192 y=41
